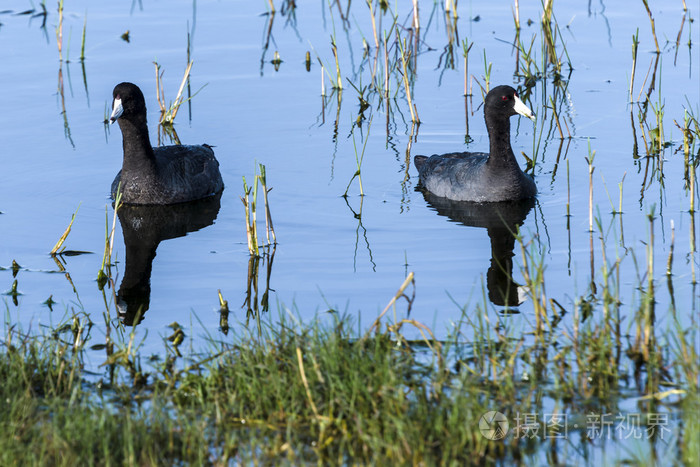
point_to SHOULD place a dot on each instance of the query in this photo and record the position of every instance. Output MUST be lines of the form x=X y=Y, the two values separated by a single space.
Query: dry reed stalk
x=300 y=360
x=399 y=293
x=556 y=117
x=416 y=19
x=376 y=40
x=374 y=24
x=653 y=27
x=178 y=97
x=386 y=73
x=466 y=47
x=168 y=113
x=669 y=261
x=692 y=191
x=411 y=106
x=648 y=316
x=635 y=46
x=160 y=93
x=339 y=79
x=323 y=82
x=59 y=31
x=117 y=205
x=63 y=237
x=678 y=41
x=250 y=225
x=269 y=228
x=451 y=7
x=589 y=160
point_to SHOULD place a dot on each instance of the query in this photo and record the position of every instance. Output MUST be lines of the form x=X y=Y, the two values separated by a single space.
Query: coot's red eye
x=505 y=98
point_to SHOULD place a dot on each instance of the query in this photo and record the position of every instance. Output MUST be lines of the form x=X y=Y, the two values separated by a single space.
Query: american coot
x=477 y=176
x=162 y=175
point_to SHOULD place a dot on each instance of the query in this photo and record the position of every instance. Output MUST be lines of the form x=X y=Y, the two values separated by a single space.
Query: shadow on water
x=501 y=221
x=144 y=227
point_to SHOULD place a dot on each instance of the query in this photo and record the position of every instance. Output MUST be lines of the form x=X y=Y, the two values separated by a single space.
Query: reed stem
x=589 y=160
x=653 y=27
x=635 y=47
x=59 y=31
x=82 y=42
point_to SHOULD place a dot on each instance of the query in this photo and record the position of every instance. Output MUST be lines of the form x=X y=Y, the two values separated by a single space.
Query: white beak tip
x=522 y=109
x=117 y=110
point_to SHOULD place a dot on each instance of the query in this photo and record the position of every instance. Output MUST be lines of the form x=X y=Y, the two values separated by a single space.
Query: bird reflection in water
x=501 y=221
x=144 y=227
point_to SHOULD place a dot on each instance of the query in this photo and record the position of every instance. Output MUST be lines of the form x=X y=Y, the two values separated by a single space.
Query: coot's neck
x=138 y=152
x=500 y=151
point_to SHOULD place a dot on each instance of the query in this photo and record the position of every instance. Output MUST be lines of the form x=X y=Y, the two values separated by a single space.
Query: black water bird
x=161 y=175
x=477 y=176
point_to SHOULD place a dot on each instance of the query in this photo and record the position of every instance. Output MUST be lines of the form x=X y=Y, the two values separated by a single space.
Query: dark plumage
x=162 y=175
x=477 y=176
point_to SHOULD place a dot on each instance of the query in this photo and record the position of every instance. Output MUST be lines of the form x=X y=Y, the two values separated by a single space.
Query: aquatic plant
x=64 y=236
x=250 y=201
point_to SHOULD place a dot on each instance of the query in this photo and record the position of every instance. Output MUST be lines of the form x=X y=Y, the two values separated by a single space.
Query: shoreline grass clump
x=332 y=391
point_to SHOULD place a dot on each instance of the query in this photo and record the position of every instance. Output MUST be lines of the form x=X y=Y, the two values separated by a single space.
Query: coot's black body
x=162 y=175
x=482 y=177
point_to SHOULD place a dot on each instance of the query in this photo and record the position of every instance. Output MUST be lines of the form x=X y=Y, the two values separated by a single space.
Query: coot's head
x=128 y=102
x=504 y=101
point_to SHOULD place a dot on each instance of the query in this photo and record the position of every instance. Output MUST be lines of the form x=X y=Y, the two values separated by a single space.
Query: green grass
x=289 y=394
x=334 y=392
